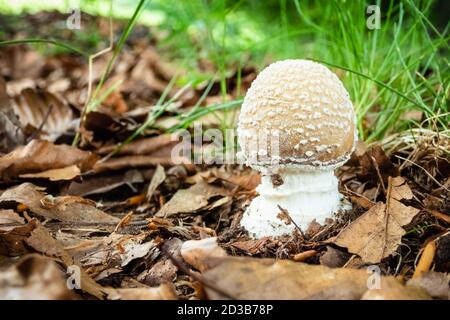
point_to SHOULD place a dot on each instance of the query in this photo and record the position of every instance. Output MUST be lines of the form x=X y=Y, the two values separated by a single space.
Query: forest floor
x=116 y=221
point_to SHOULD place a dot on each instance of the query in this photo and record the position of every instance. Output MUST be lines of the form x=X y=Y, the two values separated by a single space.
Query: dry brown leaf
x=43 y=242
x=33 y=108
x=113 y=252
x=246 y=180
x=9 y=219
x=164 y=291
x=378 y=232
x=196 y=252
x=437 y=284
x=252 y=246
x=67 y=173
x=250 y=278
x=12 y=238
x=34 y=277
x=39 y=155
x=158 y=178
x=63 y=208
x=259 y=279
x=190 y=200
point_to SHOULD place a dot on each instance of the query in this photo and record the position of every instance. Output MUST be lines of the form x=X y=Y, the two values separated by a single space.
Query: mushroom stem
x=306 y=195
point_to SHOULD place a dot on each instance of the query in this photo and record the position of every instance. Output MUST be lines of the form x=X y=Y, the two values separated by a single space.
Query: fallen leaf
x=39 y=155
x=133 y=250
x=259 y=279
x=437 y=284
x=196 y=252
x=162 y=292
x=378 y=232
x=157 y=179
x=63 y=208
x=43 y=242
x=334 y=258
x=390 y=290
x=9 y=219
x=42 y=108
x=162 y=271
x=34 y=277
x=67 y=173
x=12 y=238
x=252 y=246
x=191 y=199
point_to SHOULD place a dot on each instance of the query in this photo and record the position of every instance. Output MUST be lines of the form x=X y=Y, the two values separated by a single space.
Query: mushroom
x=296 y=125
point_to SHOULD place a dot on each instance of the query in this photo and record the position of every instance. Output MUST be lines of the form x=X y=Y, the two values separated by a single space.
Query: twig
x=386 y=217
x=44 y=121
x=290 y=218
x=377 y=169
x=195 y=276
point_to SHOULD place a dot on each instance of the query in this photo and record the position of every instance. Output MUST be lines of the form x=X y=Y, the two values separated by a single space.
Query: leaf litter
x=139 y=226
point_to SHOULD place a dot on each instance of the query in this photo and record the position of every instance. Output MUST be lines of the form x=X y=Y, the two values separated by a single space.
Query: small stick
x=302 y=256
x=377 y=169
x=44 y=121
x=386 y=217
x=284 y=211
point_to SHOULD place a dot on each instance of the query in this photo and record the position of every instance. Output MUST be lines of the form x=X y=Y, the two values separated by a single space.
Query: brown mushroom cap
x=308 y=107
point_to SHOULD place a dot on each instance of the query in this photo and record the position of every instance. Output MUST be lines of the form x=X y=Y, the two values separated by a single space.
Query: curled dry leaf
x=113 y=252
x=195 y=252
x=42 y=108
x=259 y=279
x=190 y=200
x=34 y=277
x=13 y=232
x=42 y=241
x=246 y=180
x=378 y=232
x=40 y=155
x=63 y=208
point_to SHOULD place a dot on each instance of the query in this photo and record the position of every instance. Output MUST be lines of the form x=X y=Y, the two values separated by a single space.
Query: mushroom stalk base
x=307 y=196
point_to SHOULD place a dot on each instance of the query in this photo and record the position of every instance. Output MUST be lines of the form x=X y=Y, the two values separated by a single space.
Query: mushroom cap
x=296 y=114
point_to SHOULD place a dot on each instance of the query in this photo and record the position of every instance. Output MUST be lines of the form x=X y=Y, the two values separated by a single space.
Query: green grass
x=389 y=73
